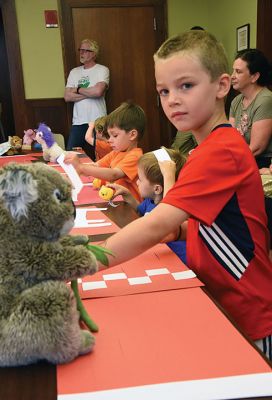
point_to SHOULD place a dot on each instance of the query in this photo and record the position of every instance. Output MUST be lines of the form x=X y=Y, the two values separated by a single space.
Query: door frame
x=65 y=9
x=167 y=131
x=15 y=65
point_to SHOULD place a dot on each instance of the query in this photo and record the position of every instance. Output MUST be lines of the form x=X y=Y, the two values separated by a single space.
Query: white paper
x=184 y=275
x=81 y=220
x=116 y=276
x=73 y=176
x=93 y=285
x=4 y=147
x=161 y=155
x=230 y=387
x=157 y=271
x=139 y=280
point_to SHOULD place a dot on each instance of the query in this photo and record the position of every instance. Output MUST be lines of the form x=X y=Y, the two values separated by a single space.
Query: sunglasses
x=85 y=50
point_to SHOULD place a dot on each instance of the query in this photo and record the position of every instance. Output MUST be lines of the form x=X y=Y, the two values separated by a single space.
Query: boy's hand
x=168 y=168
x=72 y=158
x=118 y=190
x=123 y=191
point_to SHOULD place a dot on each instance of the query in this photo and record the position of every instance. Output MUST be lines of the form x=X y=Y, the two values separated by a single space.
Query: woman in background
x=251 y=111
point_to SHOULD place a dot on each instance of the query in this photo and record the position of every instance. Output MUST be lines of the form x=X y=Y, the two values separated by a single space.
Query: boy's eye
x=186 y=86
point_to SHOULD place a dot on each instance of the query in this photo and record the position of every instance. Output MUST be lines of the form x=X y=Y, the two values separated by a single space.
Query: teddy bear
x=39 y=319
x=15 y=145
x=51 y=150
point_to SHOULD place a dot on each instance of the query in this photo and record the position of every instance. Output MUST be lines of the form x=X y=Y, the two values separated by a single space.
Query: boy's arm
x=178 y=234
x=144 y=233
x=123 y=191
x=107 y=174
x=89 y=137
x=168 y=170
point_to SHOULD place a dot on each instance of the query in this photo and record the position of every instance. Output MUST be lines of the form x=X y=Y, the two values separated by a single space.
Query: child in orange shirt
x=97 y=136
x=125 y=127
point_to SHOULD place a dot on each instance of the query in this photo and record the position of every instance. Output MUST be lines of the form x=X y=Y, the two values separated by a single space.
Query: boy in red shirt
x=218 y=190
x=125 y=127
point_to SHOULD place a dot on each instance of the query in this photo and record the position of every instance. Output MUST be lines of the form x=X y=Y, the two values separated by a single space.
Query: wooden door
x=128 y=36
x=264 y=27
x=6 y=111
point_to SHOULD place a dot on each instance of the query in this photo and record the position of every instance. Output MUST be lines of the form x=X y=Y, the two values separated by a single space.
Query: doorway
x=6 y=108
x=128 y=33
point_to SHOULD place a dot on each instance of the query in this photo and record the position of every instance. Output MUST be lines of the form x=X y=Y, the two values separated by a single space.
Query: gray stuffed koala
x=38 y=315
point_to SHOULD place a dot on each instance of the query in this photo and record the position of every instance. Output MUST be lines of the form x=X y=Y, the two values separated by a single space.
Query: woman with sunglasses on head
x=251 y=111
x=86 y=87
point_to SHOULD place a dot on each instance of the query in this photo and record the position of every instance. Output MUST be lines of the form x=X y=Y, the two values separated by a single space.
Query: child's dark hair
x=149 y=163
x=257 y=62
x=128 y=116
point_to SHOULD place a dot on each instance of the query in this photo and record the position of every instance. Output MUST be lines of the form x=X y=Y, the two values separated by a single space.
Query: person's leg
x=77 y=136
x=263 y=162
x=77 y=139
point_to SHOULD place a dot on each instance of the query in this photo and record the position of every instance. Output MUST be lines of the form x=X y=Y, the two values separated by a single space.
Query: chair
x=59 y=138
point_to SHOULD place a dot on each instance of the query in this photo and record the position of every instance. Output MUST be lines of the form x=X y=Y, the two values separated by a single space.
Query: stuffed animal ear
x=18 y=189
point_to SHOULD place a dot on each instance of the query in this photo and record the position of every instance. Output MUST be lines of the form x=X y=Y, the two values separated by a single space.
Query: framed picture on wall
x=243 y=37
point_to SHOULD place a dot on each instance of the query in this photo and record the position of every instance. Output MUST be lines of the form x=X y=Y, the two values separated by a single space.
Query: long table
x=39 y=381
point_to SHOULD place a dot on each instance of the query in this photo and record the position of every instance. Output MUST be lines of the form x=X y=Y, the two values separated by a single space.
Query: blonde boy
x=227 y=240
x=125 y=127
x=155 y=178
x=98 y=137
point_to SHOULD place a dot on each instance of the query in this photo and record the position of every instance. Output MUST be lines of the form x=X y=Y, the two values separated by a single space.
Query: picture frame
x=243 y=37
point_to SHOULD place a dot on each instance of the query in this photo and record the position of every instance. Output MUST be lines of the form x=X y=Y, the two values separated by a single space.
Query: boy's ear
x=224 y=83
x=133 y=134
x=158 y=189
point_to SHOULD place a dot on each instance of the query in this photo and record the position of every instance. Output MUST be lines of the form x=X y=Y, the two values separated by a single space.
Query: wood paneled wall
x=54 y=112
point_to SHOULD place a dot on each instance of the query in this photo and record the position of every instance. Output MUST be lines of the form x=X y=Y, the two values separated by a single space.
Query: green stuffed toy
x=39 y=319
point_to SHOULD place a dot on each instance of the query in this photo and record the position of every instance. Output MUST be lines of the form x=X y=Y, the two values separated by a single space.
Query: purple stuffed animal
x=51 y=150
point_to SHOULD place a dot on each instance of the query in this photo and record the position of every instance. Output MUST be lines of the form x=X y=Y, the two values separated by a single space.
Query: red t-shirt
x=127 y=161
x=227 y=239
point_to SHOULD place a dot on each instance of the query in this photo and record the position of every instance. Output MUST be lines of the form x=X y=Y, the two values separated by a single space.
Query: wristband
x=79 y=87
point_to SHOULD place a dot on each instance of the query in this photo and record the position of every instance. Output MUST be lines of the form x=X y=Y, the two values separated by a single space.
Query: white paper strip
x=93 y=285
x=113 y=277
x=140 y=280
x=161 y=155
x=81 y=220
x=183 y=275
x=72 y=174
x=157 y=271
